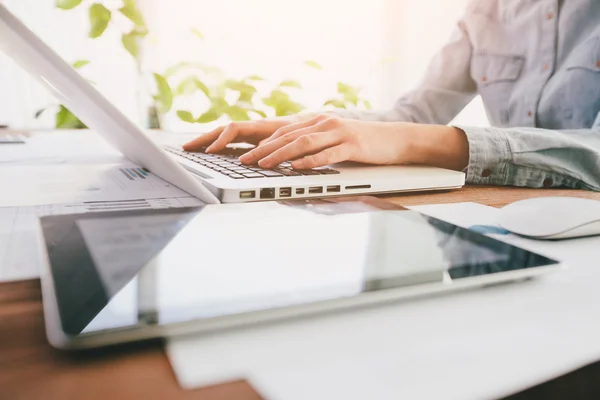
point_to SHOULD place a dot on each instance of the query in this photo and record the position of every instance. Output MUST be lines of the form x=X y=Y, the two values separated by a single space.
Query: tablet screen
x=124 y=269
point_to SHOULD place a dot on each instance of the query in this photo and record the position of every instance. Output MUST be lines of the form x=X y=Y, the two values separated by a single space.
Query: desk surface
x=31 y=369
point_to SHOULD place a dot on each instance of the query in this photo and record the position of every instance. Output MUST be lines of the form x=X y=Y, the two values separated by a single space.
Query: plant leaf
x=246 y=97
x=290 y=83
x=276 y=97
x=344 y=88
x=186 y=116
x=237 y=113
x=239 y=86
x=189 y=85
x=313 y=64
x=350 y=93
x=99 y=18
x=219 y=105
x=61 y=117
x=202 y=87
x=335 y=103
x=164 y=95
x=67 y=4
x=80 y=64
x=209 y=116
x=198 y=34
x=186 y=87
x=367 y=104
x=294 y=108
x=287 y=107
x=130 y=43
x=65 y=119
x=255 y=78
x=133 y=13
x=351 y=98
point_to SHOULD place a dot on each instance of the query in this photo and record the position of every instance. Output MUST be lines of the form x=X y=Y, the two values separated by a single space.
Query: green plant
x=100 y=17
x=186 y=78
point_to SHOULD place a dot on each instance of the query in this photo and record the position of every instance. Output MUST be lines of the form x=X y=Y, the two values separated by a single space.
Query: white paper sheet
x=51 y=184
x=20 y=242
x=485 y=343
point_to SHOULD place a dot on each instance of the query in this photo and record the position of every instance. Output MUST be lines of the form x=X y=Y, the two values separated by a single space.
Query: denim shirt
x=536 y=65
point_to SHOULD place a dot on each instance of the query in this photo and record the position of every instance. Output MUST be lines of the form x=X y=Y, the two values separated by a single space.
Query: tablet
x=121 y=276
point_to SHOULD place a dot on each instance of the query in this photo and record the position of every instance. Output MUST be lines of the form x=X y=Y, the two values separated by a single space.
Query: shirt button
x=486 y=173
x=548 y=182
x=529 y=113
x=550 y=15
x=545 y=67
x=484 y=78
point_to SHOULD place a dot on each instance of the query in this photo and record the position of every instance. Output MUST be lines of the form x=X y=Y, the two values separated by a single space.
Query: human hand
x=327 y=139
x=248 y=131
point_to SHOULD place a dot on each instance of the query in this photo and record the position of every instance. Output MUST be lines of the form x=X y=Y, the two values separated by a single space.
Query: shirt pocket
x=496 y=75
x=582 y=83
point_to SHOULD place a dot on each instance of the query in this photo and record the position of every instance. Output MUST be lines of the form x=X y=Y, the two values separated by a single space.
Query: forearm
x=437 y=145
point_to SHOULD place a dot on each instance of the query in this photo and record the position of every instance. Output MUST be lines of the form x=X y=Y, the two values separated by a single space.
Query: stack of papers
x=484 y=343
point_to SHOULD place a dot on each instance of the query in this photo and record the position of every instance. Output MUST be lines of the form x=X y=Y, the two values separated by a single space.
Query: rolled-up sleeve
x=534 y=157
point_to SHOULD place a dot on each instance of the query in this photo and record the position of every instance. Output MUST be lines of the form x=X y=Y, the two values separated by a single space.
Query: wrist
x=437 y=145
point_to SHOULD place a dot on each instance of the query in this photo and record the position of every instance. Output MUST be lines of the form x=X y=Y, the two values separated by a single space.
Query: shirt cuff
x=489 y=156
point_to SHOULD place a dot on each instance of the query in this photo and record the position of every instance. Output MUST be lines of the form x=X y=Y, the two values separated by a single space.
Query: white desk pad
x=480 y=344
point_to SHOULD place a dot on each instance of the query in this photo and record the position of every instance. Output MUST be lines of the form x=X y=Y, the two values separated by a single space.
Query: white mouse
x=552 y=217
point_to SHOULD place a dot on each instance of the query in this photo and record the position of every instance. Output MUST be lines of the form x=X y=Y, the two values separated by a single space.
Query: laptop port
x=333 y=189
x=248 y=194
x=267 y=193
x=315 y=190
x=299 y=190
x=356 y=187
x=285 y=192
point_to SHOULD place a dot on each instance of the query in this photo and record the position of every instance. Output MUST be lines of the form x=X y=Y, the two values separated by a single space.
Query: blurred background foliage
x=236 y=99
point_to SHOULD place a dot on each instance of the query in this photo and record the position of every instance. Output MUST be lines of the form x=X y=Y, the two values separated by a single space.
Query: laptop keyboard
x=227 y=163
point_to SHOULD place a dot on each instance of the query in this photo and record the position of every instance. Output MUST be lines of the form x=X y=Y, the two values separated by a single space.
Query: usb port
x=299 y=190
x=248 y=194
x=333 y=189
x=267 y=193
x=315 y=190
x=285 y=192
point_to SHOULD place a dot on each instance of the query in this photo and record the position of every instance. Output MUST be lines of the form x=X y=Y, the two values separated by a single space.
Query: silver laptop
x=212 y=178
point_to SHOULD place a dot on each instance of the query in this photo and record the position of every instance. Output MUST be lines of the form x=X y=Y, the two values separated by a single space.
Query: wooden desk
x=31 y=369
